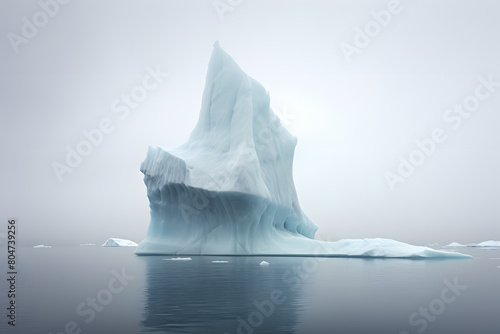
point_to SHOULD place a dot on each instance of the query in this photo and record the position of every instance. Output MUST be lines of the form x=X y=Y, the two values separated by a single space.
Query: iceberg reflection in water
x=200 y=296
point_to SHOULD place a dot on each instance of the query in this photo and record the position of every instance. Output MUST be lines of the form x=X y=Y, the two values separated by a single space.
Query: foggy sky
x=353 y=119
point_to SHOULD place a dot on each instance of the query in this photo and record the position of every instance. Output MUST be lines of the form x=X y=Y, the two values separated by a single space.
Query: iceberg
x=115 y=242
x=229 y=189
x=42 y=246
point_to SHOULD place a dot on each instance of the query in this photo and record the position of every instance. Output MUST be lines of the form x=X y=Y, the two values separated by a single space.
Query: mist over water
x=356 y=117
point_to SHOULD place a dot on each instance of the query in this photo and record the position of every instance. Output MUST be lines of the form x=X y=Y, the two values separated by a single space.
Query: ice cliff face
x=229 y=189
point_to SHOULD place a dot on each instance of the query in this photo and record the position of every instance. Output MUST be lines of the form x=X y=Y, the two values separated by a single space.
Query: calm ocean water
x=90 y=289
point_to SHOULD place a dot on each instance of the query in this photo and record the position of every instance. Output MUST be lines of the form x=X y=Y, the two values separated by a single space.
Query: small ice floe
x=178 y=259
x=455 y=244
x=89 y=244
x=486 y=244
x=264 y=263
x=220 y=261
x=115 y=242
x=42 y=246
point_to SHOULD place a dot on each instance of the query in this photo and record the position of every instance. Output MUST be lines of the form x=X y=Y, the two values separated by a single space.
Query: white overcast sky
x=353 y=119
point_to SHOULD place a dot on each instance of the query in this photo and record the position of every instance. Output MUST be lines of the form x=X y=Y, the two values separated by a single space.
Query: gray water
x=291 y=295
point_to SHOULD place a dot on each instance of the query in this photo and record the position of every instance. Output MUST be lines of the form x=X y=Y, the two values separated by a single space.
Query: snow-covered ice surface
x=42 y=246
x=229 y=189
x=115 y=242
